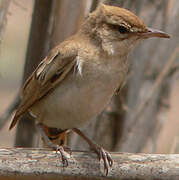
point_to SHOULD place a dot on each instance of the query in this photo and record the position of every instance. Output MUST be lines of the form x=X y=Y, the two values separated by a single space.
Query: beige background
x=12 y=55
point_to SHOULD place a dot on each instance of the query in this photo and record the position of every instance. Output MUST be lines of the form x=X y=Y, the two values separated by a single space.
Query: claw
x=106 y=162
x=102 y=154
x=109 y=159
x=63 y=155
x=64 y=161
x=56 y=147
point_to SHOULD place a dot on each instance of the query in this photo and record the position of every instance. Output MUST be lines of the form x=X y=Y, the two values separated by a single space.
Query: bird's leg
x=61 y=139
x=102 y=154
x=56 y=147
x=57 y=136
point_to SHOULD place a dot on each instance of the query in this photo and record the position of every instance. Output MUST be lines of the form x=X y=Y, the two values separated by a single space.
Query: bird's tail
x=15 y=119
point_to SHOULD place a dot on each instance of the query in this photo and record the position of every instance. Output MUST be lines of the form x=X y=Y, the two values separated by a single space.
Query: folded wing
x=50 y=72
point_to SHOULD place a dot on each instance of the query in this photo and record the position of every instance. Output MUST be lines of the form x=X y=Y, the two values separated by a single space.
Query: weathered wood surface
x=26 y=162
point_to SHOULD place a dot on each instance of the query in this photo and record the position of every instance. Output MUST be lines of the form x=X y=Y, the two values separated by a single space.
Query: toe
x=106 y=157
x=109 y=159
x=64 y=155
x=106 y=162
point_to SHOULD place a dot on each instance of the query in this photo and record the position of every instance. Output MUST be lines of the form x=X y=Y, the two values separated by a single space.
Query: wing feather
x=50 y=72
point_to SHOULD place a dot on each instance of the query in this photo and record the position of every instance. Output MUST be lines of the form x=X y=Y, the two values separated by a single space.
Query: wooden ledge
x=28 y=162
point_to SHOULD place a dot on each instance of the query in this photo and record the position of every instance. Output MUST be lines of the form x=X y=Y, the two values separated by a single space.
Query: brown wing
x=50 y=72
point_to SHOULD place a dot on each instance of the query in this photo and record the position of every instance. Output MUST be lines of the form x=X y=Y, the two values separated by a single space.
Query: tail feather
x=19 y=112
x=14 y=121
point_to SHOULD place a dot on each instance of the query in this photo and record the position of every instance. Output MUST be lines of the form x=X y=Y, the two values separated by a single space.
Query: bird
x=77 y=79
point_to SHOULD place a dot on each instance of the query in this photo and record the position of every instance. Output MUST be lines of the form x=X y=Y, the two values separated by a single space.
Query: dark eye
x=123 y=29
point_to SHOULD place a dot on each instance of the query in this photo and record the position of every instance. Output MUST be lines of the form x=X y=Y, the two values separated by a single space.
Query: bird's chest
x=98 y=82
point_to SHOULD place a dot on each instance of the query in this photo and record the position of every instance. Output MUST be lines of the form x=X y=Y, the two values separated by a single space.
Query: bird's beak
x=154 y=33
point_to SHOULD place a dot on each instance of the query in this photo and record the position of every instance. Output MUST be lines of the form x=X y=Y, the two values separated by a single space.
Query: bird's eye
x=123 y=29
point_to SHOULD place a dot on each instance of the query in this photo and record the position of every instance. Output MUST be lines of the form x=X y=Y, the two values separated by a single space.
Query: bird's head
x=118 y=29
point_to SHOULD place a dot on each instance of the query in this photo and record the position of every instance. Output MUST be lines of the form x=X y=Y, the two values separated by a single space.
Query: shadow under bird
x=78 y=78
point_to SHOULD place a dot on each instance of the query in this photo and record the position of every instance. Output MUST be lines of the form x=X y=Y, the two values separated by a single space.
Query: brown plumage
x=76 y=81
x=41 y=81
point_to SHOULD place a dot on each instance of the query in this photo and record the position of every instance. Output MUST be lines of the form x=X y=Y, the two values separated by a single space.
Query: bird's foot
x=64 y=154
x=105 y=156
x=102 y=154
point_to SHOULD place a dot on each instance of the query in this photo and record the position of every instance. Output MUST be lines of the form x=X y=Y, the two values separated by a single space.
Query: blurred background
x=143 y=118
